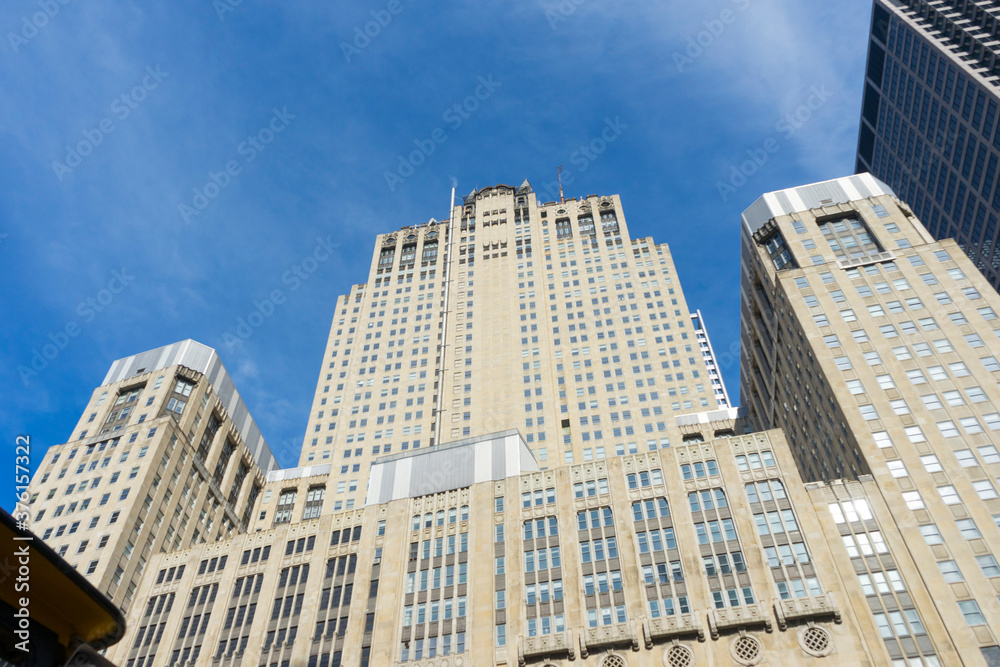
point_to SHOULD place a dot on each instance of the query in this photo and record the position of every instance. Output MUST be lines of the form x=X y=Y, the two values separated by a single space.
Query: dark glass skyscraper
x=929 y=116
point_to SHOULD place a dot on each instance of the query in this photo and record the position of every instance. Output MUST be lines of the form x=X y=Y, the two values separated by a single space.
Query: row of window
x=438 y=518
x=434 y=611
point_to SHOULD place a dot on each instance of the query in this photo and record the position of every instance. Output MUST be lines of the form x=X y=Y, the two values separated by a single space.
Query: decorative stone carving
x=545 y=645
x=746 y=649
x=609 y=635
x=808 y=608
x=667 y=628
x=738 y=618
x=815 y=640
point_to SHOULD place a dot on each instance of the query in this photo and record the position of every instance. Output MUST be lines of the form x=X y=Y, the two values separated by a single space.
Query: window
x=851 y=510
x=648 y=478
x=989 y=454
x=968 y=529
x=976 y=395
x=990 y=363
x=590 y=488
x=971 y=612
x=931 y=463
x=931 y=402
x=314 y=502
x=931 y=534
x=849 y=238
x=896 y=468
x=984 y=489
x=882 y=582
x=950 y=572
x=650 y=509
x=989 y=566
x=966 y=458
x=286 y=503
x=913 y=500
x=948 y=429
x=949 y=495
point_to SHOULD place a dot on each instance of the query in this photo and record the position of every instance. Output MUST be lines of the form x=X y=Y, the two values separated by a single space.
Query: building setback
x=874 y=348
x=929 y=117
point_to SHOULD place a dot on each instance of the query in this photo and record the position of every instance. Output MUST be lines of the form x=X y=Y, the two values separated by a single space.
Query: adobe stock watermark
x=30 y=25
x=248 y=150
x=87 y=311
x=703 y=40
x=786 y=126
x=223 y=7
x=729 y=357
x=454 y=116
x=585 y=155
x=364 y=34
x=561 y=12
x=292 y=278
x=121 y=108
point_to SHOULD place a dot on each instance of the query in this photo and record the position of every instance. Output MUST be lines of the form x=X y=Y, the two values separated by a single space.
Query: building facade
x=711 y=552
x=165 y=456
x=929 y=116
x=874 y=348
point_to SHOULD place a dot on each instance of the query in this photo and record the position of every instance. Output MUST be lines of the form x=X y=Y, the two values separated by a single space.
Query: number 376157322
x=22 y=459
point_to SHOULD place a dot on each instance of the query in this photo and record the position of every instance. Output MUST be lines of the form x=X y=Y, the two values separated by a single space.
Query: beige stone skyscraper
x=549 y=318
x=875 y=348
x=165 y=456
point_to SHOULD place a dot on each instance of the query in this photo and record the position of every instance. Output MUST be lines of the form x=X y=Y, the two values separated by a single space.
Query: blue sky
x=199 y=149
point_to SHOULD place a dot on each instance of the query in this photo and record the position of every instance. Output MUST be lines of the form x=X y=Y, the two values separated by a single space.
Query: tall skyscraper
x=518 y=454
x=545 y=317
x=874 y=348
x=929 y=116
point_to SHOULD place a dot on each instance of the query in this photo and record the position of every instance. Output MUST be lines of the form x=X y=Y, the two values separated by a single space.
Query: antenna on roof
x=562 y=200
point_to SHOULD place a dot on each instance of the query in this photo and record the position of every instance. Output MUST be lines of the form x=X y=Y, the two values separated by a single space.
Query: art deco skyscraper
x=875 y=348
x=549 y=318
x=929 y=117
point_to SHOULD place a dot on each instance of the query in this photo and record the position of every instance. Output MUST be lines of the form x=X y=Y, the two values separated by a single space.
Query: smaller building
x=165 y=456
